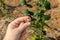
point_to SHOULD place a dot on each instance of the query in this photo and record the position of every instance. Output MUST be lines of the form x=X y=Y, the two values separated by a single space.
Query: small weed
x=3 y=11
x=38 y=18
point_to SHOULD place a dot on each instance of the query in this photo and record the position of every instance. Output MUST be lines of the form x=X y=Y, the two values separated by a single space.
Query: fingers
x=21 y=19
x=23 y=26
x=17 y=21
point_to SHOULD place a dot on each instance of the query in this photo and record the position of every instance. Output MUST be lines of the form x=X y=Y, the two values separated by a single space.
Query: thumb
x=23 y=26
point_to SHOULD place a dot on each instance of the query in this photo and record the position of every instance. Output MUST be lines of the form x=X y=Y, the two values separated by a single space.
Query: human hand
x=16 y=28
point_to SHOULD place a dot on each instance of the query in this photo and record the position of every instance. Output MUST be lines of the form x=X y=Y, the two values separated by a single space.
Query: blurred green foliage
x=39 y=19
x=2 y=8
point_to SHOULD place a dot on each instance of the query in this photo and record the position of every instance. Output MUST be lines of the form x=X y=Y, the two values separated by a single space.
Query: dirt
x=12 y=2
x=54 y=23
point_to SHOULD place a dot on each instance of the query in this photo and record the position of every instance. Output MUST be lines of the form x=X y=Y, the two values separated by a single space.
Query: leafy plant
x=3 y=12
x=25 y=3
x=2 y=8
x=45 y=4
x=2 y=3
x=38 y=19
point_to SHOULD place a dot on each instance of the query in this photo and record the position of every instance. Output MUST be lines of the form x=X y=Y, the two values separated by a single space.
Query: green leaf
x=37 y=12
x=47 y=17
x=23 y=2
x=2 y=3
x=47 y=5
x=37 y=21
x=42 y=1
x=26 y=12
x=34 y=37
x=3 y=12
x=41 y=13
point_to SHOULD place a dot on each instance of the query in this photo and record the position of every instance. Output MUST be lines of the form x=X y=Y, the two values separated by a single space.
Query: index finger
x=21 y=19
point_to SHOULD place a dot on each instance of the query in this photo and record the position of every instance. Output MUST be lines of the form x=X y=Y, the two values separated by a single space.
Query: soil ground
x=14 y=11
